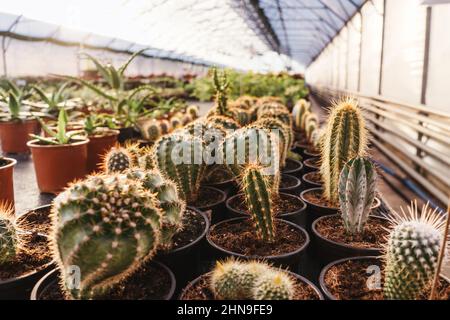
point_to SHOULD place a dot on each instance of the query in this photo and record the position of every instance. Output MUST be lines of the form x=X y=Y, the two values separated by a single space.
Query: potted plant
x=249 y=280
x=16 y=124
x=60 y=158
x=261 y=235
x=352 y=232
x=53 y=101
x=312 y=179
x=24 y=253
x=6 y=180
x=407 y=268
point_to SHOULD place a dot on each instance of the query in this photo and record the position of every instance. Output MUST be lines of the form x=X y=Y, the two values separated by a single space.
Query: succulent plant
x=193 y=110
x=257 y=192
x=165 y=126
x=274 y=285
x=345 y=139
x=241 y=116
x=282 y=114
x=311 y=125
x=176 y=122
x=223 y=123
x=151 y=129
x=357 y=184
x=412 y=251
x=171 y=205
x=108 y=226
x=298 y=113
x=119 y=159
x=179 y=157
x=221 y=85
x=245 y=102
x=9 y=238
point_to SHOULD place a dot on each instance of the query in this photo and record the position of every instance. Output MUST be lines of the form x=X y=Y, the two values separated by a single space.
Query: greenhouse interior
x=224 y=150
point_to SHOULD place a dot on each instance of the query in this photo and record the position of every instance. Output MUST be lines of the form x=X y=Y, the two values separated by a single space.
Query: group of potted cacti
x=219 y=207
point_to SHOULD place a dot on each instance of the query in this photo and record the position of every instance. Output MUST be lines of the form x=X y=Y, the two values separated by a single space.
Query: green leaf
x=14 y=105
x=93 y=87
x=62 y=123
x=116 y=80
x=126 y=64
x=43 y=96
x=58 y=95
x=139 y=89
x=47 y=130
x=100 y=67
x=44 y=139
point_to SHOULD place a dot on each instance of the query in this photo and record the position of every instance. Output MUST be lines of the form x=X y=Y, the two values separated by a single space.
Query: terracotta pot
x=14 y=135
x=98 y=146
x=57 y=165
x=6 y=182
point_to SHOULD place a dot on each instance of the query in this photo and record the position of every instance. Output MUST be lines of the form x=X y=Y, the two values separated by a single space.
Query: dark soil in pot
x=287 y=207
x=346 y=279
x=311 y=164
x=199 y=289
x=333 y=242
x=223 y=180
x=312 y=179
x=290 y=184
x=153 y=281
x=18 y=277
x=236 y=237
x=213 y=200
x=188 y=245
x=293 y=167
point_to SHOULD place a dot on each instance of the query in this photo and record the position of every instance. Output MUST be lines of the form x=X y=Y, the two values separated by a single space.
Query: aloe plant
x=54 y=99
x=14 y=96
x=93 y=122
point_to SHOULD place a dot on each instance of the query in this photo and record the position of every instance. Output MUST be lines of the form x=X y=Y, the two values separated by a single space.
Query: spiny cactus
x=221 y=85
x=241 y=116
x=193 y=110
x=151 y=130
x=345 y=139
x=271 y=107
x=237 y=280
x=187 y=118
x=282 y=115
x=311 y=125
x=175 y=122
x=412 y=251
x=245 y=102
x=171 y=205
x=107 y=226
x=256 y=189
x=357 y=184
x=298 y=113
x=223 y=123
x=179 y=157
x=119 y=159
x=165 y=126
x=9 y=237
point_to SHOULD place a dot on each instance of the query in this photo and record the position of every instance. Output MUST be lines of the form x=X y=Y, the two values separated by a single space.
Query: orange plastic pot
x=6 y=182
x=58 y=165
x=14 y=135
x=98 y=146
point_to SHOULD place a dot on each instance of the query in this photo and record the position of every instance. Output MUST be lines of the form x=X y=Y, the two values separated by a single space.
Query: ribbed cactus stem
x=345 y=139
x=311 y=125
x=9 y=238
x=412 y=251
x=221 y=85
x=107 y=226
x=357 y=187
x=151 y=130
x=256 y=189
x=119 y=158
x=274 y=285
x=298 y=113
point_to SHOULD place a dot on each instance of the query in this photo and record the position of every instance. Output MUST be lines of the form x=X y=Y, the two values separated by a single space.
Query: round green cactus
x=193 y=110
x=412 y=251
x=9 y=238
x=151 y=130
x=119 y=159
x=165 y=126
x=274 y=285
x=175 y=122
x=107 y=226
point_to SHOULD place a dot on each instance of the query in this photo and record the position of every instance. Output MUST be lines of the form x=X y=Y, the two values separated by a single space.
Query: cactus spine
x=345 y=139
x=119 y=159
x=107 y=226
x=311 y=125
x=221 y=85
x=412 y=251
x=257 y=194
x=301 y=108
x=274 y=285
x=9 y=238
x=357 y=184
x=193 y=110
x=151 y=130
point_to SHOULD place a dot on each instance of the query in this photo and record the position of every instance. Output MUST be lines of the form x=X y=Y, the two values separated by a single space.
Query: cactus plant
x=193 y=110
x=107 y=226
x=274 y=285
x=298 y=113
x=412 y=251
x=151 y=130
x=357 y=183
x=171 y=205
x=165 y=126
x=119 y=159
x=345 y=139
x=9 y=237
x=175 y=122
x=179 y=157
x=223 y=123
x=282 y=114
x=256 y=189
x=241 y=116
x=311 y=125
x=221 y=85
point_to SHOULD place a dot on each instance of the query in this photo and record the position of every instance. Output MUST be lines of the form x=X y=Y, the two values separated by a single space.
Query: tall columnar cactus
x=107 y=226
x=357 y=184
x=9 y=237
x=257 y=192
x=171 y=205
x=345 y=139
x=311 y=125
x=274 y=285
x=298 y=113
x=119 y=159
x=221 y=85
x=179 y=157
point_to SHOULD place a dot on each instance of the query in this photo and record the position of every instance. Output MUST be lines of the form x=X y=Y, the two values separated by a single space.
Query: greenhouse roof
x=260 y=35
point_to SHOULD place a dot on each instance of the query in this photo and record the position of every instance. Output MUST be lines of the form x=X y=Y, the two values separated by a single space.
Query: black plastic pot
x=288 y=260
x=300 y=148
x=326 y=250
x=292 y=274
x=309 y=165
x=127 y=133
x=19 y=288
x=309 y=154
x=308 y=183
x=296 y=216
x=295 y=187
x=51 y=277
x=297 y=169
x=217 y=209
x=323 y=286
x=184 y=261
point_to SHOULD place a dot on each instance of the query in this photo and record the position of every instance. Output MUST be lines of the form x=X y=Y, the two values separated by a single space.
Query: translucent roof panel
x=263 y=35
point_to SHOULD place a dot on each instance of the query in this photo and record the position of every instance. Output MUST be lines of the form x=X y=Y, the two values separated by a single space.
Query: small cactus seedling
x=175 y=122
x=412 y=251
x=151 y=130
x=256 y=188
x=9 y=238
x=119 y=159
x=345 y=139
x=108 y=226
x=357 y=184
x=274 y=285
x=193 y=110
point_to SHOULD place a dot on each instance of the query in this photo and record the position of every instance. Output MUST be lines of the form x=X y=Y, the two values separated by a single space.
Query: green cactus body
x=241 y=116
x=311 y=125
x=165 y=126
x=152 y=130
x=299 y=111
x=246 y=102
x=107 y=226
x=193 y=111
x=345 y=139
x=118 y=159
x=256 y=189
x=274 y=285
x=171 y=205
x=221 y=85
x=223 y=123
x=179 y=157
x=282 y=115
x=175 y=122
x=9 y=239
x=357 y=184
